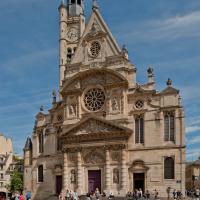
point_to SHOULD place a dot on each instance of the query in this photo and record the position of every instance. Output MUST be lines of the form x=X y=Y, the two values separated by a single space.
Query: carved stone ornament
x=115 y=104
x=72 y=157
x=72 y=110
x=116 y=156
x=94 y=157
x=73 y=176
x=116 y=176
x=94 y=99
x=94 y=126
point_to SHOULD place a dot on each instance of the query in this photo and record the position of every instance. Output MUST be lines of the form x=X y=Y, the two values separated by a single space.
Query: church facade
x=106 y=131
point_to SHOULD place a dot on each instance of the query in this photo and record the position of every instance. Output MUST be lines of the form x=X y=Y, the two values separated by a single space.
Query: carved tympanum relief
x=94 y=126
x=94 y=157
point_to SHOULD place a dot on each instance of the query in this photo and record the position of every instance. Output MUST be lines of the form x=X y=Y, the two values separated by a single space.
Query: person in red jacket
x=21 y=197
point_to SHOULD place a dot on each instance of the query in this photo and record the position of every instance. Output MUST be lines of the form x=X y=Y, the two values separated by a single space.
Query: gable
x=96 y=30
x=170 y=90
x=94 y=125
x=104 y=77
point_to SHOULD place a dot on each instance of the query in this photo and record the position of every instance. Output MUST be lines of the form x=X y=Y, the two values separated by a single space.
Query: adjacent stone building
x=193 y=175
x=6 y=158
x=106 y=130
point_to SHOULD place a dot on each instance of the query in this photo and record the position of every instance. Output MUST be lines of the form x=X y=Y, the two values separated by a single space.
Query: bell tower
x=72 y=26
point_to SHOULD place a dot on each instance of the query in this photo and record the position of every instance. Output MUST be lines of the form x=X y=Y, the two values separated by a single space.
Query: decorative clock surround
x=72 y=34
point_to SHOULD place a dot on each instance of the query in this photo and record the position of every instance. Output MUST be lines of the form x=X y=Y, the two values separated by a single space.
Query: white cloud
x=14 y=64
x=193 y=124
x=194 y=140
x=193 y=154
x=171 y=28
x=191 y=129
x=11 y=3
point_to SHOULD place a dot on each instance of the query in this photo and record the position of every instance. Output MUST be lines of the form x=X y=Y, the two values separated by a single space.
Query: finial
x=41 y=108
x=124 y=49
x=150 y=70
x=54 y=94
x=179 y=100
x=94 y=5
x=169 y=82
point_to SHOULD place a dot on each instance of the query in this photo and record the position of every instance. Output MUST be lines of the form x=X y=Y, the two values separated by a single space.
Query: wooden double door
x=94 y=180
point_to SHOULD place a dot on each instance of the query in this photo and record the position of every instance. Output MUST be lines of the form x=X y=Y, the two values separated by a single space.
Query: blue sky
x=164 y=34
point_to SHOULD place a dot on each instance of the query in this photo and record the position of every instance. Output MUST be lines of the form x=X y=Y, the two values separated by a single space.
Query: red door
x=94 y=180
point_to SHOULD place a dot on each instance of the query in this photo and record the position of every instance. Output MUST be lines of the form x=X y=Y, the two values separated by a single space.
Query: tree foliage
x=16 y=182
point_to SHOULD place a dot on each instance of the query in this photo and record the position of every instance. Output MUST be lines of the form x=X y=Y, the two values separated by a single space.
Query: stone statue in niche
x=73 y=176
x=72 y=110
x=115 y=104
x=116 y=176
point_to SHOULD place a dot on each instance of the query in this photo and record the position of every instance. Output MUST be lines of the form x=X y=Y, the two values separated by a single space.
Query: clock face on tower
x=72 y=34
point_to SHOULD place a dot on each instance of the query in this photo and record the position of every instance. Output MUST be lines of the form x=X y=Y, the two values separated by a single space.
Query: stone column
x=108 y=172
x=123 y=173
x=79 y=174
x=65 y=172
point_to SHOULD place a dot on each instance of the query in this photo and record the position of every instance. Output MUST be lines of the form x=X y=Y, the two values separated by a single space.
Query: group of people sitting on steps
x=138 y=194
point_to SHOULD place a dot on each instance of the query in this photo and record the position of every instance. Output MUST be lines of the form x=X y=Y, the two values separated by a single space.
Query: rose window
x=95 y=49
x=94 y=99
x=139 y=104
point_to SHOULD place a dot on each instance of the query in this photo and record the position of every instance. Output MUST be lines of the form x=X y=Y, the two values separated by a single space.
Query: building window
x=139 y=130
x=1 y=184
x=1 y=167
x=169 y=126
x=41 y=142
x=69 y=55
x=59 y=144
x=40 y=174
x=169 y=168
x=1 y=176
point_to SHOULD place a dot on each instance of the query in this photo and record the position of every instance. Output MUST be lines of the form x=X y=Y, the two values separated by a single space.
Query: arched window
x=40 y=173
x=139 y=130
x=79 y=2
x=73 y=1
x=41 y=142
x=169 y=168
x=169 y=126
x=69 y=55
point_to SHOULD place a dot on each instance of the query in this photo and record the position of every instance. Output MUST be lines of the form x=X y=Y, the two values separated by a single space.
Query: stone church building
x=106 y=131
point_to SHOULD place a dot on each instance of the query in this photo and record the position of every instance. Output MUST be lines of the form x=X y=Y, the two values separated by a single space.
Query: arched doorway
x=138 y=171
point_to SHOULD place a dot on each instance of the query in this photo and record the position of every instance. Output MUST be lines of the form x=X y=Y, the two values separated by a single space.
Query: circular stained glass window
x=94 y=99
x=95 y=48
x=139 y=104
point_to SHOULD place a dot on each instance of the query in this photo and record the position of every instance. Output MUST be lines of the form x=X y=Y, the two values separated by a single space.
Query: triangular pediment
x=170 y=90
x=96 y=29
x=94 y=126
